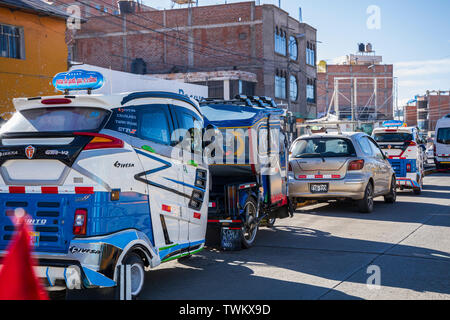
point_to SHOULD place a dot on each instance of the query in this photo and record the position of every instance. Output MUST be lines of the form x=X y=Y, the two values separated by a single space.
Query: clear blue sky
x=414 y=35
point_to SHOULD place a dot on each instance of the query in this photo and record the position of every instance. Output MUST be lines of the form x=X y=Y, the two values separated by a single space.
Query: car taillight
x=356 y=165
x=408 y=167
x=80 y=222
x=411 y=143
x=100 y=141
x=434 y=150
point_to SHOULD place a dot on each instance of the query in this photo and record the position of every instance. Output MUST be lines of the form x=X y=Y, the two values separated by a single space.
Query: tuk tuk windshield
x=393 y=137
x=56 y=119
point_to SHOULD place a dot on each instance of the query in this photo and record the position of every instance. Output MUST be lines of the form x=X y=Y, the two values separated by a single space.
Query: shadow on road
x=293 y=262
x=408 y=208
x=285 y=256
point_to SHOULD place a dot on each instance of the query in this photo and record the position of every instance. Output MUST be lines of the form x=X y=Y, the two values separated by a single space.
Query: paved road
x=324 y=253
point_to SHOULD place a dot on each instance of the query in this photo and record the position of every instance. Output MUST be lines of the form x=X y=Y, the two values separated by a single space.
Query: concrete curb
x=306 y=203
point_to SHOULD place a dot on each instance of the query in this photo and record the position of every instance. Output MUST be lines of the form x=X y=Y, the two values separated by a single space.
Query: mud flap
x=279 y=213
x=230 y=239
x=283 y=212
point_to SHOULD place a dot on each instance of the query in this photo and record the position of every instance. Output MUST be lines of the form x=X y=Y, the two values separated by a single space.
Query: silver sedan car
x=340 y=167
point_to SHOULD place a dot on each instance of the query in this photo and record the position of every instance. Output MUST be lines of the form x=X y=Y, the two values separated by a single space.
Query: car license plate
x=34 y=237
x=318 y=187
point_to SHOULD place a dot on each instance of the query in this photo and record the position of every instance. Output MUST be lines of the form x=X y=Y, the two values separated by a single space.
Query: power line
x=271 y=63
x=221 y=58
x=274 y=63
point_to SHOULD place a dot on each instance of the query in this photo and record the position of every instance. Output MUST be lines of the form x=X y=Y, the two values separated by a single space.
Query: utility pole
x=336 y=97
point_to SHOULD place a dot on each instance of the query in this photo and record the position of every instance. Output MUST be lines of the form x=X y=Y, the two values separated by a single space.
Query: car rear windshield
x=443 y=135
x=393 y=137
x=57 y=119
x=323 y=148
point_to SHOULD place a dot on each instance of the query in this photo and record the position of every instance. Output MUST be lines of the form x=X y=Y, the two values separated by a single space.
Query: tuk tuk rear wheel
x=137 y=273
x=250 y=227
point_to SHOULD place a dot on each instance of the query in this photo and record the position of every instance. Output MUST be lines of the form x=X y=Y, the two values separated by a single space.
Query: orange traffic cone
x=17 y=278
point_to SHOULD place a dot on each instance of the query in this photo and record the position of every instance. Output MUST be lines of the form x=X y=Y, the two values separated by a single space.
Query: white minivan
x=442 y=143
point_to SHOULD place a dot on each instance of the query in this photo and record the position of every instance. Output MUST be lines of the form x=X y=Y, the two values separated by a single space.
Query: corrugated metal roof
x=37 y=6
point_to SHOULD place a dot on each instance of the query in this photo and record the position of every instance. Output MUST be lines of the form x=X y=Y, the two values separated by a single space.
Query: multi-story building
x=90 y=8
x=32 y=49
x=425 y=110
x=239 y=48
x=357 y=86
x=410 y=114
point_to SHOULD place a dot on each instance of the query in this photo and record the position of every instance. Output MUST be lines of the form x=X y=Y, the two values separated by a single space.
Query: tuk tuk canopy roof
x=229 y=115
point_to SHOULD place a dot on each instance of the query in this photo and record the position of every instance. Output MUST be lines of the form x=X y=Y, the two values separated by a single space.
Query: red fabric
x=17 y=278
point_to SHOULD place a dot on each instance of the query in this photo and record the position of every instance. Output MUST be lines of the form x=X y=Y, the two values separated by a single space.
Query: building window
x=310 y=54
x=311 y=91
x=293 y=88
x=11 y=42
x=280 y=85
x=293 y=48
x=280 y=42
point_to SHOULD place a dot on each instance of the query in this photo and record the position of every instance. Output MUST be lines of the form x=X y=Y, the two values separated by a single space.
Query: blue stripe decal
x=98 y=279
x=120 y=240
x=166 y=164
x=185 y=184
x=164 y=253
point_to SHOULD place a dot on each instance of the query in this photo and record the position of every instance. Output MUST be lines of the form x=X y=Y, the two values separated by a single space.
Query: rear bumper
x=407 y=183
x=59 y=272
x=91 y=262
x=345 y=188
x=442 y=162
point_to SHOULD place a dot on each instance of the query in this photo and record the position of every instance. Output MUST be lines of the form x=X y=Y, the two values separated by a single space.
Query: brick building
x=357 y=86
x=425 y=110
x=235 y=48
x=90 y=8
x=410 y=114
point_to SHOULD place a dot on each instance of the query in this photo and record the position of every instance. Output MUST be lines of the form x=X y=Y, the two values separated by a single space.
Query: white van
x=442 y=143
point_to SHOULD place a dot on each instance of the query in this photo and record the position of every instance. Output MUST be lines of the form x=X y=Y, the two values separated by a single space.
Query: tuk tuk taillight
x=101 y=141
x=80 y=222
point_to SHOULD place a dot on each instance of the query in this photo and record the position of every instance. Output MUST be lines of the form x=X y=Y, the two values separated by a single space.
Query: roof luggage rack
x=243 y=100
x=222 y=101
x=269 y=101
x=326 y=126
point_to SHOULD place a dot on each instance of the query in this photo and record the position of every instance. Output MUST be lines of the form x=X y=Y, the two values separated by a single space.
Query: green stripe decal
x=182 y=255
x=168 y=247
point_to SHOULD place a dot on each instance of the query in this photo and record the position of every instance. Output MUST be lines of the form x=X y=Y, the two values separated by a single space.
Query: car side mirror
x=210 y=132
